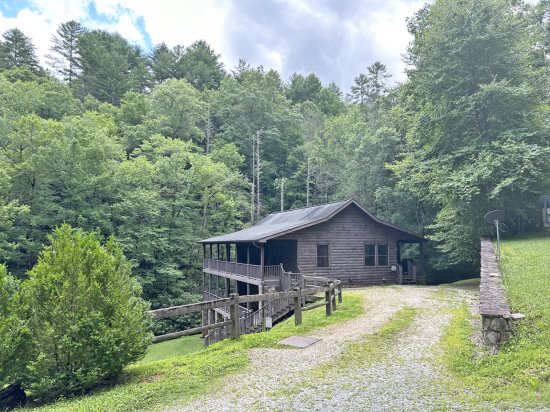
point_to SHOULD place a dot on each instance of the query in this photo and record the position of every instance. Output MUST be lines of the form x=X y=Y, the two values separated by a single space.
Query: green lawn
x=150 y=385
x=171 y=348
x=520 y=371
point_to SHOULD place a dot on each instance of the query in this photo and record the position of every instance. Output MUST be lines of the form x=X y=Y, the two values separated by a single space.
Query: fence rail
x=240 y=322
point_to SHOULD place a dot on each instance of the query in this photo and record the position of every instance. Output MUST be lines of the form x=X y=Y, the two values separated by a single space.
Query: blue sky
x=336 y=39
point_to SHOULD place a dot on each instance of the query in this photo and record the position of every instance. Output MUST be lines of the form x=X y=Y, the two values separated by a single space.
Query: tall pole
x=282 y=194
x=498 y=240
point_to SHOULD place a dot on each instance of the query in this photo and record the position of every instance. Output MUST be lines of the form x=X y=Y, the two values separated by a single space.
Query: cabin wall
x=346 y=234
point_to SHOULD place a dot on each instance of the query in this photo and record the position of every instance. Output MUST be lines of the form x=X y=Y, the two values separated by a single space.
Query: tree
x=163 y=63
x=476 y=131
x=87 y=321
x=369 y=88
x=303 y=88
x=17 y=50
x=201 y=66
x=13 y=339
x=110 y=66
x=66 y=59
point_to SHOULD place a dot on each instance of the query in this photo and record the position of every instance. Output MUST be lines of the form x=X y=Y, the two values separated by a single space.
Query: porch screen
x=322 y=256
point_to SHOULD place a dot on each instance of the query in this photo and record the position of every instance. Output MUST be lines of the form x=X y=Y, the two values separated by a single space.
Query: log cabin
x=340 y=240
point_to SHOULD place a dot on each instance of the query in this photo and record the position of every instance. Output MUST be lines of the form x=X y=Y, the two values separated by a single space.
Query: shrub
x=12 y=329
x=86 y=317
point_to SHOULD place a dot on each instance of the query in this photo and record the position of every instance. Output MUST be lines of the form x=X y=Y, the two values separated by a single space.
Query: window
x=376 y=255
x=370 y=255
x=322 y=256
x=383 y=255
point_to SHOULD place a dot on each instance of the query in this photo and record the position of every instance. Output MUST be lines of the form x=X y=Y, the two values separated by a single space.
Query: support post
x=234 y=314
x=261 y=288
x=332 y=296
x=228 y=252
x=298 y=308
x=328 y=305
x=340 y=292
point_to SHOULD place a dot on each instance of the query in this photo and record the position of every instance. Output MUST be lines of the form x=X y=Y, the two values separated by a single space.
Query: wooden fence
x=235 y=321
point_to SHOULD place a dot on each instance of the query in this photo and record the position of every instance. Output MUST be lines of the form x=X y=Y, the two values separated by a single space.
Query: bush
x=86 y=317
x=12 y=329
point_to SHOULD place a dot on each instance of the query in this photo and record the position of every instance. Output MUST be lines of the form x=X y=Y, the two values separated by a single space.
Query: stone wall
x=497 y=321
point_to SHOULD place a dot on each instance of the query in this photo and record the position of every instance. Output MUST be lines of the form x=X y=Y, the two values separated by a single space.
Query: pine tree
x=17 y=50
x=65 y=57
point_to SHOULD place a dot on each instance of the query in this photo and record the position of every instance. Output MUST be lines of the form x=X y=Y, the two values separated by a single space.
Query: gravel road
x=405 y=379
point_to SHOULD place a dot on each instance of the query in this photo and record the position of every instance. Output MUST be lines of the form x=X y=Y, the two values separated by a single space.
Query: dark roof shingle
x=277 y=224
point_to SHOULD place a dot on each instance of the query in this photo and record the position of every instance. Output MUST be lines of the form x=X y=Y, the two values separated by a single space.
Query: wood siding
x=346 y=234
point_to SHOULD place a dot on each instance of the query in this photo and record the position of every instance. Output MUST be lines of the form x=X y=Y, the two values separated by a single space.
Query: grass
x=520 y=372
x=151 y=385
x=171 y=348
x=371 y=347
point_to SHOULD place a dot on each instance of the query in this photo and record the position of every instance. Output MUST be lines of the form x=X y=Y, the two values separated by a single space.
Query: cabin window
x=383 y=255
x=370 y=255
x=322 y=256
x=376 y=255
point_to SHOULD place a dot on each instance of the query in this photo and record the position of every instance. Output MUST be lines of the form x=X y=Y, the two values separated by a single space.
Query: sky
x=336 y=39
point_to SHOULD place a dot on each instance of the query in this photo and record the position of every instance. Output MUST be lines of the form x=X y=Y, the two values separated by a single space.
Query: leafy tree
x=65 y=58
x=175 y=110
x=86 y=317
x=17 y=50
x=251 y=102
x=13 y=343
x=477 y=134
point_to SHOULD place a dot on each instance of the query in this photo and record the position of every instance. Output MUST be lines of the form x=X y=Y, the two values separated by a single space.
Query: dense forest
x=164 y=148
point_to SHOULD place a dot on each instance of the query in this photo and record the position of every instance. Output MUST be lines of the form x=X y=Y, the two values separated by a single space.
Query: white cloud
x=388 y=31
x=363 y=30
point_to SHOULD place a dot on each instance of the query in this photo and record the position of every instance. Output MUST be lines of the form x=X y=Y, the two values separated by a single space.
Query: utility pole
x=282 y=194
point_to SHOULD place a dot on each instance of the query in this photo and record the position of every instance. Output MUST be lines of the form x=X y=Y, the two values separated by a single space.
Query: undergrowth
x=152 y=385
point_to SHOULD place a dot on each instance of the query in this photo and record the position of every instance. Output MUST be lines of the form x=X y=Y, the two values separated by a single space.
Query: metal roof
x=278 y=224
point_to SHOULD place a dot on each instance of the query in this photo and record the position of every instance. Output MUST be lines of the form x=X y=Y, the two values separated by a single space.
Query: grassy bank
x=520 y=371
x=171 y=348
x=150 y=385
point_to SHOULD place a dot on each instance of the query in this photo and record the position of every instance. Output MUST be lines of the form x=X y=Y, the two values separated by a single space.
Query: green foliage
x=476 y=131
x=65 y=58
x=153 y=385
x=519 y=371
x=87 y=320
x=17 y=50
x=13 y=342
x=110 y=66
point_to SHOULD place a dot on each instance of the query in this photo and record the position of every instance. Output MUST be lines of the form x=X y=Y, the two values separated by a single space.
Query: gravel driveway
x=405 y=379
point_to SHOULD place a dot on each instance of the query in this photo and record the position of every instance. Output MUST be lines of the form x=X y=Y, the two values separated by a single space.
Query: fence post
x=298 y=308
x=328 y=306
x=234 y=314
x=332 y=296
x=340 y=292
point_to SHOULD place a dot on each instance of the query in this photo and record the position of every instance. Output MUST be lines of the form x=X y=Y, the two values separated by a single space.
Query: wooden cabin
x=339 y=240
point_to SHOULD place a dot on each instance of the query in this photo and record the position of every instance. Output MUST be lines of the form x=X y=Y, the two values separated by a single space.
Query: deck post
x=234 y=315
x=211 y=254
x=218 y=248
x=297 y=308
x=261 y=288
x=228 y=252
x=332 y=296
x=328 y=305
